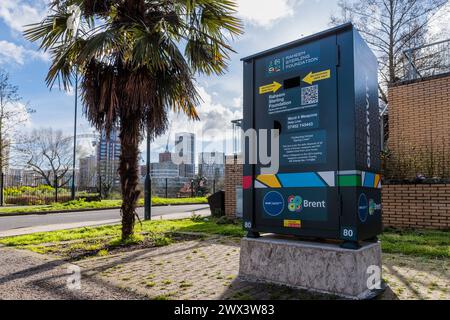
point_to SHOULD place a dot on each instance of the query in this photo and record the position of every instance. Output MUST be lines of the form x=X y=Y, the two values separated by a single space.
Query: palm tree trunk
x=128 y=171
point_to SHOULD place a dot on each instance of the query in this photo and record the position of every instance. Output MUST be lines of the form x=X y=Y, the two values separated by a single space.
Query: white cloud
x=213 y=131
x=16 y=118
x=265 y=12
x=18 y=13
x=12 y=53
x=439 y=27
x=237 y=102
x=70 y=91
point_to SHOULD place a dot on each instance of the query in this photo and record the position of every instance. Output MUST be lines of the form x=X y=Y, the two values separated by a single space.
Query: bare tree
x=13 y=114
x=49 y=154
x=390 y=27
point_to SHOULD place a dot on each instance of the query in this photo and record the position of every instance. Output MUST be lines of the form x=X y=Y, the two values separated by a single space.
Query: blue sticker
x=363 y=208
x=273 y=203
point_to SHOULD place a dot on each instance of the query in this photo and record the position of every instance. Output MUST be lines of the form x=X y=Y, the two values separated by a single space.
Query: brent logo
x=295 y=203
x=373 y=206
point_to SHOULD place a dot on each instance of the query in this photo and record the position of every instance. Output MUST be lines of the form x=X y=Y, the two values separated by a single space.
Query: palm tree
x=137 y=60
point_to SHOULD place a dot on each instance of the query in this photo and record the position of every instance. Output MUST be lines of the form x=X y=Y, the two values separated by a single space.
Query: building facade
x=165 y=156
x=184 y=155
x=108 y=156
x=164 y=170
x=211 y=165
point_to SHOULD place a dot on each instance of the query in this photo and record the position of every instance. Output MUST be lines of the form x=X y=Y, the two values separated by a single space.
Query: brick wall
x=233 y=178
x=416 y=206
x=419 y=117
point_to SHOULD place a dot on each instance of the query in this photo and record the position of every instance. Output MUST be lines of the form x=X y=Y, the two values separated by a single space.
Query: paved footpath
x=199 y=269
x=30 y=276
x=194 y=269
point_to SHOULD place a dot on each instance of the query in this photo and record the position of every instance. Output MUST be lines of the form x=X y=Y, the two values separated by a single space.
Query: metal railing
x=428 y=60
x=23 y=191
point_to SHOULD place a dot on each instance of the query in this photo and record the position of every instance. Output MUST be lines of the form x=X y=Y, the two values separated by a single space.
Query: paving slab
x=25 y=275
x=192 y=270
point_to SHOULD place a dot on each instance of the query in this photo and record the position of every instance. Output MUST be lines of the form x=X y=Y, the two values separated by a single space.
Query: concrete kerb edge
x=87 y=210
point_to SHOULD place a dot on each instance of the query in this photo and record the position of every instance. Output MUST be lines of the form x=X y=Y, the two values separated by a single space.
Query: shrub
x=227 y=220
x=42 y=194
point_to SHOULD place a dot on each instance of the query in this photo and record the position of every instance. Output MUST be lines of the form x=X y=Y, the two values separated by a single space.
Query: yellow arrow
x=313 y=77
x=273 y=87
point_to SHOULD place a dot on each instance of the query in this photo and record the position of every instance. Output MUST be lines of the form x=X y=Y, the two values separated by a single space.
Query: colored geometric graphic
x=259 y=185
x=319 y=180
x=299 y=180
x=329 y=177
x=349 y=180
x=246 y=182
x=369 y=180
x=269 y=180
x=377 y=181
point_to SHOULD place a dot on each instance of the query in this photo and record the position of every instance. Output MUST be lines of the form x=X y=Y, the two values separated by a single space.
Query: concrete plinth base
x=318 y=267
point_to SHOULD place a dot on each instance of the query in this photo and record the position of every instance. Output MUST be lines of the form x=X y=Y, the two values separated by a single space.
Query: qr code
x=310 y=95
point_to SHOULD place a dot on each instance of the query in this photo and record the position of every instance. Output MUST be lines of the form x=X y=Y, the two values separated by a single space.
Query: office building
x=184 y=155
x=108 y=156
x=211 y=165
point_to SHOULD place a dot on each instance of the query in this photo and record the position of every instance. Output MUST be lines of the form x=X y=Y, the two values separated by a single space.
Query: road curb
x=15 y=214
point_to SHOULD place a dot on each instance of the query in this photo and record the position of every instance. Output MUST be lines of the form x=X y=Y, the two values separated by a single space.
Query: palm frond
x=137 y=59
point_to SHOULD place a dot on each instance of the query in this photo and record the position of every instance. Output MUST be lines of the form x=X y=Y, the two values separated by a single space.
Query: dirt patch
x=416 y=278
x=77 y=250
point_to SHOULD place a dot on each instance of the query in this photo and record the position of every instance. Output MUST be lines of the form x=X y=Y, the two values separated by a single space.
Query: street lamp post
x=148 y=184
x=73 y=23
x=74 y=136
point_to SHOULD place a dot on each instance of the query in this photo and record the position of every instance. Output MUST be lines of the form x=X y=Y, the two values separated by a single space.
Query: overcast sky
x=267 y=23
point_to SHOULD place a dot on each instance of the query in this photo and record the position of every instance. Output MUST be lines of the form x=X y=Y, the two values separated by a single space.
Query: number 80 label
x=348 y=233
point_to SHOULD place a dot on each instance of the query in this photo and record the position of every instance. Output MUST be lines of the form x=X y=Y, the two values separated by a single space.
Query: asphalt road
x=18 y=222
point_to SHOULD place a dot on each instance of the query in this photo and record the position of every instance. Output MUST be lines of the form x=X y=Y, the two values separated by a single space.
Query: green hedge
x=42 y=190
x=40 y=195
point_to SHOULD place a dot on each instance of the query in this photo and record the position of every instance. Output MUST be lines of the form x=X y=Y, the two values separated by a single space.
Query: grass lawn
x=425 y=243
x=81 y=204
x=98 y=240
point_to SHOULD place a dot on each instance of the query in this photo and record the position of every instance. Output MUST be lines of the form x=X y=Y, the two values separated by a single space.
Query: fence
x=34 y=191
x=180 y=187
x=428 y=60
